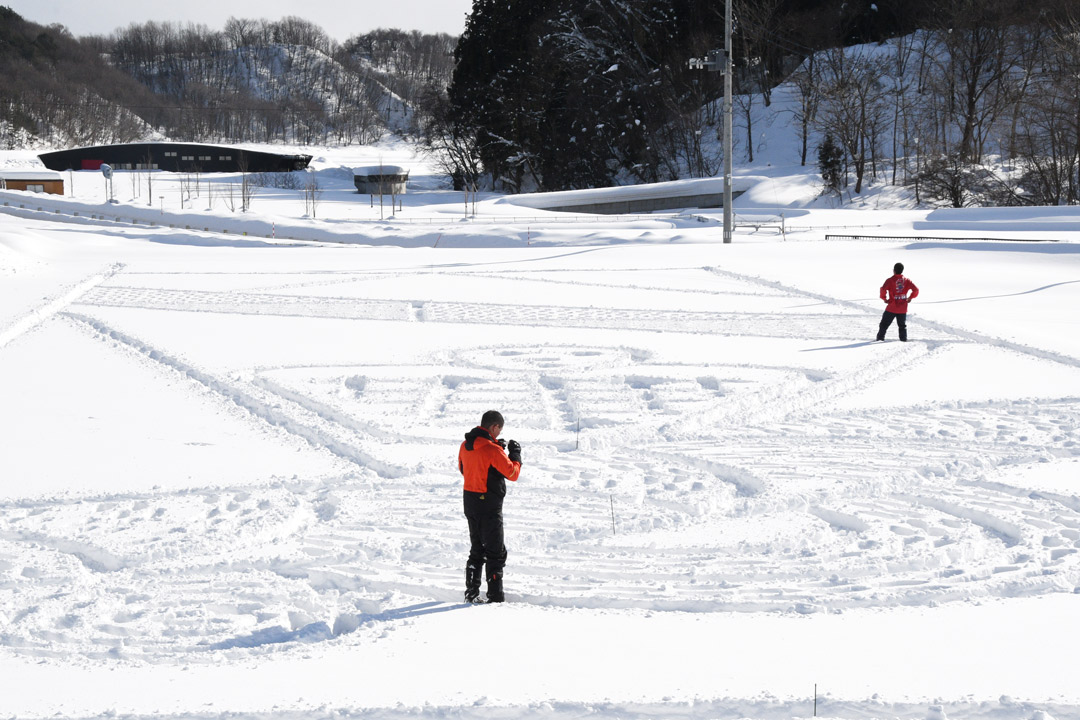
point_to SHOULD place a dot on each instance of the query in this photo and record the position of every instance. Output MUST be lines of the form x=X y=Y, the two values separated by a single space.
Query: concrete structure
x=629 y=199
x=381 y=180
x=648 y=205
x=40 y=181
x=173 y=157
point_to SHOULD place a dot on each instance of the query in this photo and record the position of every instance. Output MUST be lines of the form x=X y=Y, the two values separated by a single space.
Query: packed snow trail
x=733 y=486
x=51 y=308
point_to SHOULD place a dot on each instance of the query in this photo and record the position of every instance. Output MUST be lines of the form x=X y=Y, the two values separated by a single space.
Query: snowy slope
x=229 y=485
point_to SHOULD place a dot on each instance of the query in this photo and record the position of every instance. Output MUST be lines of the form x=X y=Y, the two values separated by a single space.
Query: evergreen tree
x=499 y=90
x=831 y=165
x=578 y=93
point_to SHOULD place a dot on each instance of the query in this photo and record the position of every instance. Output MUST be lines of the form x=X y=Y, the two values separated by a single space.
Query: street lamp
x=721 y=62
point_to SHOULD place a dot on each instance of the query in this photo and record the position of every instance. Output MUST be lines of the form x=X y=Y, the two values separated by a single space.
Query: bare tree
x=684 y=148
x=755 y=28
x=248 y=188
x=973 y=63
x=1047 y=140
x=230 y=197
x=951 y=178
x=312 y=194
x=149 y=167
x=854 y=105
x=807 y=81
x=899 y=69
x=745 y=104
x=453 y=147
x=1034 y=48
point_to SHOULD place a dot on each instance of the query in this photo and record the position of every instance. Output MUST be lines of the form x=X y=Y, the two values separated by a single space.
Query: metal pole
x=728 y=143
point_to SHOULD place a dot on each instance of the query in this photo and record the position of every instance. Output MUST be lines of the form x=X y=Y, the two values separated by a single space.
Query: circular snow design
x=648 y=484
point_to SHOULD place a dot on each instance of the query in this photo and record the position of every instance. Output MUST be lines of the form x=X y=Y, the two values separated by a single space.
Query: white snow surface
x=229 y=483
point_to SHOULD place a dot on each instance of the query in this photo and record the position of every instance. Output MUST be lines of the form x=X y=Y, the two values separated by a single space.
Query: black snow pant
x=484 y=513
x=886 y=321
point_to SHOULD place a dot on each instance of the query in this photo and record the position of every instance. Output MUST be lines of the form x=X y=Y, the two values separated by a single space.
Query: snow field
x=230 y=483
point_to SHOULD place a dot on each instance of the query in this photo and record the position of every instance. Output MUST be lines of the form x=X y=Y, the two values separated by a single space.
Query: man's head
x=492 y=422
x=898 y=268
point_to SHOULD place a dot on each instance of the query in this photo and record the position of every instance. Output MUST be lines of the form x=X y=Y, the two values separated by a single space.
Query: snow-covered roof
x=650 y=191
x=159 y=142
x=380 y=170
x=30 y=175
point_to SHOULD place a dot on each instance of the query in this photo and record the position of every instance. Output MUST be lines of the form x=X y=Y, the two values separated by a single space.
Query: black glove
x=514 y=448
x=501 y=443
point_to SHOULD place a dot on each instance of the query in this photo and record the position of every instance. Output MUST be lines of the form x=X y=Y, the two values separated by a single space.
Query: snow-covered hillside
x=229 y=485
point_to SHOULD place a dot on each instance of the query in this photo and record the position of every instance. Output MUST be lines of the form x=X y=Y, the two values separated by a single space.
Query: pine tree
x=831 y=165
x=566 y=94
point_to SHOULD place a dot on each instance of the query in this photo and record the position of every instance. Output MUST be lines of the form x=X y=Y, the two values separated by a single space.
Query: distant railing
x=531 y=219
x=925 y=238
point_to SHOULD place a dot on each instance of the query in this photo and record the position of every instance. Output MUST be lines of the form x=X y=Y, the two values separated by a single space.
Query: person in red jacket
x=486 y=466
x=897 y=292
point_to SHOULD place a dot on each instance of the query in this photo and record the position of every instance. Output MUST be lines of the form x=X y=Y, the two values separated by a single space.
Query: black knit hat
x=898 y=268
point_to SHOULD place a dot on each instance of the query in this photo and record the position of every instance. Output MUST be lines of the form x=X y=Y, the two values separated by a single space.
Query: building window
x=188 y=157
x=36 y=188
x=205 y=157
x=170 y=154
x=225 y=157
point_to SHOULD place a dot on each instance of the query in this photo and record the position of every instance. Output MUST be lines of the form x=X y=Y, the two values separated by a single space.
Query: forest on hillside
x=282 y=81
x=582 y=93
x=968 y=101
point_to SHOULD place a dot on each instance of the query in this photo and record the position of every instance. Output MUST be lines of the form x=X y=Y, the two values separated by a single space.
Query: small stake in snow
x=815 y=699
x=612 y=498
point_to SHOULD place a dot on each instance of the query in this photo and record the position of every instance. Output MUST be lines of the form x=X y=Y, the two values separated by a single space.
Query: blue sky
x=339 y=18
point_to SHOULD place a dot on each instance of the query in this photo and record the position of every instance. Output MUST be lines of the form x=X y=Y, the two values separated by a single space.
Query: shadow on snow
x=321 y=631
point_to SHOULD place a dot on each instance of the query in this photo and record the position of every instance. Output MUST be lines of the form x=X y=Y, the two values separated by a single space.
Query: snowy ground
x=229 y=488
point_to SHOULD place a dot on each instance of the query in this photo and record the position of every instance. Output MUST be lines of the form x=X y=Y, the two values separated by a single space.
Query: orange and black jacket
x=484 y=464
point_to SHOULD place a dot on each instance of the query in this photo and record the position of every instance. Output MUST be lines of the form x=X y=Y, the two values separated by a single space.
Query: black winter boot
x=495 y=587
x=473 y=573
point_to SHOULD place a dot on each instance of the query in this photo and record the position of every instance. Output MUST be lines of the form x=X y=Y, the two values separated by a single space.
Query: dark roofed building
x=173 y=157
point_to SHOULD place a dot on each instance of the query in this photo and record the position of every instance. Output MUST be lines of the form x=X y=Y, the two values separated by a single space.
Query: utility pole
x=728 y=144
x=718 y=61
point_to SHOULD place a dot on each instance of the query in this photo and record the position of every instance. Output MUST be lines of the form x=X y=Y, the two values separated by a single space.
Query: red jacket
x=898 y=290
x=481 y=460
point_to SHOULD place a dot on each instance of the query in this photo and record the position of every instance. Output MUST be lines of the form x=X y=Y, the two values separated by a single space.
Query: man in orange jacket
x=486 y=467
x=897 y=292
